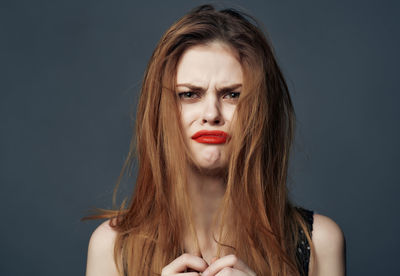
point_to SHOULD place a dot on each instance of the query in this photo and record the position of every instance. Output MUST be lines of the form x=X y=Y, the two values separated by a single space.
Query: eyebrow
x=199 y=88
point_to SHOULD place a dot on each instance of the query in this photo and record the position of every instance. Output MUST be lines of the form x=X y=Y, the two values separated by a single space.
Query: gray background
x=70 y=72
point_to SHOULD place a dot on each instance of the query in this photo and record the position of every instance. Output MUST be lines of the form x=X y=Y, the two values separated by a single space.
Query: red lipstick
x=210 y=136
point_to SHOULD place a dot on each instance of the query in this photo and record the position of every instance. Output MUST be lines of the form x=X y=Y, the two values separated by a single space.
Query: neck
x=205 y=192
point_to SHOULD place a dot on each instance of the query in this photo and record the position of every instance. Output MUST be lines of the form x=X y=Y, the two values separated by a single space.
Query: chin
x=214 y=169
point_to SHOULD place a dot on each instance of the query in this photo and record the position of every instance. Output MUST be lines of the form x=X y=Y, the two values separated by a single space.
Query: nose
x=212 y=111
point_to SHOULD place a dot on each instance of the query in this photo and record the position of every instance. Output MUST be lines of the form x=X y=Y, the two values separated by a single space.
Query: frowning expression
x=209 y=81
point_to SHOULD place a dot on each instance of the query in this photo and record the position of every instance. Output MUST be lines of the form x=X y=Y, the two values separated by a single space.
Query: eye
x=188 y=95
x=232 y=95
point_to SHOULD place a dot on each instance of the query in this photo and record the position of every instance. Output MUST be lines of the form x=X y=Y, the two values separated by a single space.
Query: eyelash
x=188 y=94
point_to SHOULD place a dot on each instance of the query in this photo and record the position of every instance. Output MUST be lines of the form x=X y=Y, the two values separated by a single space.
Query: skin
x=209 y=80
x=216 y=74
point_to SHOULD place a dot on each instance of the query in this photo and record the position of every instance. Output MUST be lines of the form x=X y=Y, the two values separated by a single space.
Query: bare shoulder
x=101 y=251
x=329 y=247
x=327 y=234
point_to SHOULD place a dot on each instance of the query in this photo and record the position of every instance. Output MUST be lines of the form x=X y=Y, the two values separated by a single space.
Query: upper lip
x=209 y=133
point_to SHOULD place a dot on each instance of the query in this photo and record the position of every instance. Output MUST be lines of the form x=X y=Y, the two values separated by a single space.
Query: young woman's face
x=209 y=81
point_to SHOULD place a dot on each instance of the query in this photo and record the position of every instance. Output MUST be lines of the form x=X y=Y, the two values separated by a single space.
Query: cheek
x=188 y=115
x=228 y=112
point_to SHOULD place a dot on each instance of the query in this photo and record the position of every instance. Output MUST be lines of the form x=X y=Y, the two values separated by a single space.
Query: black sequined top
x=303 y=247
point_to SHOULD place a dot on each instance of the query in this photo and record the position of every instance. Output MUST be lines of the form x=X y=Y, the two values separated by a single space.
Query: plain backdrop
x=70 y=76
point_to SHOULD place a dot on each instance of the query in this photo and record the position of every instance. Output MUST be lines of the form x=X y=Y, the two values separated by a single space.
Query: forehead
x=209 y=64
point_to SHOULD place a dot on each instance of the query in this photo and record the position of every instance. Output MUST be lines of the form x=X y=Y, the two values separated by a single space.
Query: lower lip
x=211 y=139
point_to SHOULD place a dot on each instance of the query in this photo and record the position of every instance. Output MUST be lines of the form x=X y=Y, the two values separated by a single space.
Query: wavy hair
x=266 y=225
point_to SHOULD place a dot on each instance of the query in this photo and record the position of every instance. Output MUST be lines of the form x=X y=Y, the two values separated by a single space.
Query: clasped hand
x=227 y=265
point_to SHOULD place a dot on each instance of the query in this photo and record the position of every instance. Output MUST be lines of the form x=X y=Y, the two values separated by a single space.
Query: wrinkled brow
x=202 y=89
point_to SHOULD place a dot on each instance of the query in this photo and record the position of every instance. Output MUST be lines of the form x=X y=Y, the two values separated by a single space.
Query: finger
x=183 y=262
x=229 y=271
x=225 y=262
x=213 y=260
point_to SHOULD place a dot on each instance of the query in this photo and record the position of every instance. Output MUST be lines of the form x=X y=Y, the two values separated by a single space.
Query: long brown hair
x=151 y=228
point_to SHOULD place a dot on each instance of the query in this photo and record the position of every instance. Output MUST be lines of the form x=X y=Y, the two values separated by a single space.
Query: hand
x=228 y=265
x=183 y=262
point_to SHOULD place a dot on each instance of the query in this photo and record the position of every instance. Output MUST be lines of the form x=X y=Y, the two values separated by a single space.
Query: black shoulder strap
x=303 y=246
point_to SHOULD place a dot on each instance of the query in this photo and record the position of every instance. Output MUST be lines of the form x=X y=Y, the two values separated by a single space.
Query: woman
x=213 y=134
